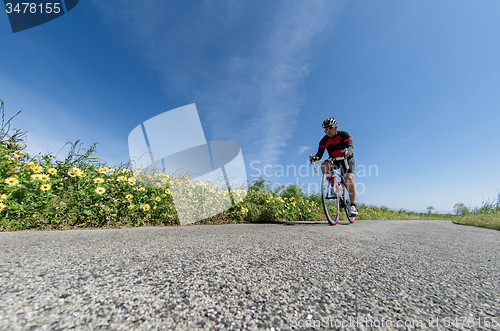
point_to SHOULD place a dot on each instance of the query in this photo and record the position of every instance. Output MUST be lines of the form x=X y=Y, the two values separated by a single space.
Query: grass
x=43 y=193
x=490 y=221
x=486 y=216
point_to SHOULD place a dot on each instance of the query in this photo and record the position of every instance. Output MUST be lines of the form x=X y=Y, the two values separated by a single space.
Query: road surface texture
x=370 y=275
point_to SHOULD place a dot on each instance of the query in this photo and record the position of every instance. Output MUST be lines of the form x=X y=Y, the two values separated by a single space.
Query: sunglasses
x=329 y=128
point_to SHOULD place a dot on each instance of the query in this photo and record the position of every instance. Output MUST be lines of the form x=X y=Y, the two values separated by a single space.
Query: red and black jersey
x=335 y=145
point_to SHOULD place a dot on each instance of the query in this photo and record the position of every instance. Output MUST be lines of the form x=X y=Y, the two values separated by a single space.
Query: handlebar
x=332 y=160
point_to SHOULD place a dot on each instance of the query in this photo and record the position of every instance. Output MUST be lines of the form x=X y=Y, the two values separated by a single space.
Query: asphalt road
x=407 y=275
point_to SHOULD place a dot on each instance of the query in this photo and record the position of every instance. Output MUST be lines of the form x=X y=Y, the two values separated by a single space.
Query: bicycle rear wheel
x=329 y=197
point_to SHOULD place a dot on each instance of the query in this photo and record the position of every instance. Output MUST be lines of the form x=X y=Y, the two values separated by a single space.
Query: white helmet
x=330 y=121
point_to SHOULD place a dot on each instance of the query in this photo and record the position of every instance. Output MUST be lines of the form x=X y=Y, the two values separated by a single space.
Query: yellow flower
x=163 y=195
x=146 y=207
x=98 y=180
x=103 y=170
x=37 y=168
x=130 y=207
x=2 y=206
x=129 y=196
x=40 y=177
x=168 y=191
x=52 y=171
x=141 y=189
x=111 y=170
x=158 y=199
x=75 y=172
x=131 y=180
x=45 y=187
x=3 y=197
x=11 y=181
x=100 y=190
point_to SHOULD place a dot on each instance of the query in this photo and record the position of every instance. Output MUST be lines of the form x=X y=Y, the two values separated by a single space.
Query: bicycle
x=334 y=193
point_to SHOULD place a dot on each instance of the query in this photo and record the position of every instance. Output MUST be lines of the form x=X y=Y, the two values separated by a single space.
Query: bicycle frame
x=335 y=190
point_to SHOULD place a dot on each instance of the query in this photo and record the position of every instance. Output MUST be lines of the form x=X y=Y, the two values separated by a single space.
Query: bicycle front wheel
x=329 y=196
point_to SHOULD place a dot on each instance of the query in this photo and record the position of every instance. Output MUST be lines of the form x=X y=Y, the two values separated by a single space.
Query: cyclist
x=336 y=143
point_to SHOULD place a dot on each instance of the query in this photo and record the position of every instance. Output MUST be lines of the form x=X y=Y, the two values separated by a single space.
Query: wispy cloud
x=243 y=63
x=395 y=142
x=304 y=149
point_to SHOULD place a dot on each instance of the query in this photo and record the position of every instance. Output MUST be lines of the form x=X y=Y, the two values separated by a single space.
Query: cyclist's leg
x=325 y=167
x=351 y=185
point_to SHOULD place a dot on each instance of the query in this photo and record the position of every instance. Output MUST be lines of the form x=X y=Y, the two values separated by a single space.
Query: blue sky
x=416 y=84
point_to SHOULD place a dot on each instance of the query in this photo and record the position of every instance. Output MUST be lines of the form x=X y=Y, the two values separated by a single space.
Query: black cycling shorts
x=351 y=164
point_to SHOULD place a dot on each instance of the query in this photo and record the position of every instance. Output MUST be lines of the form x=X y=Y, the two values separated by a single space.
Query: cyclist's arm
x=321 y=148
x=350 y=149
x=321 y=151
x=348 y=142
x=318 y=155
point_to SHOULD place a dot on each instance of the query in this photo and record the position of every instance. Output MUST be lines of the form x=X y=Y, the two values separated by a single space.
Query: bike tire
x=329 y=200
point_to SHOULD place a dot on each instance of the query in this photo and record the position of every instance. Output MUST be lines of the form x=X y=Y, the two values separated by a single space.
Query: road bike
x=334 y=194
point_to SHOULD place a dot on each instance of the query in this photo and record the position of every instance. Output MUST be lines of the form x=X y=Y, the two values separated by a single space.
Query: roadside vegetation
x=42 y=192
x=486 y=216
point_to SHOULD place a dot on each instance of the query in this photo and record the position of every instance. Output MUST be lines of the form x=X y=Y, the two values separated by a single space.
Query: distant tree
x=430 y=209
x=459 y=208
